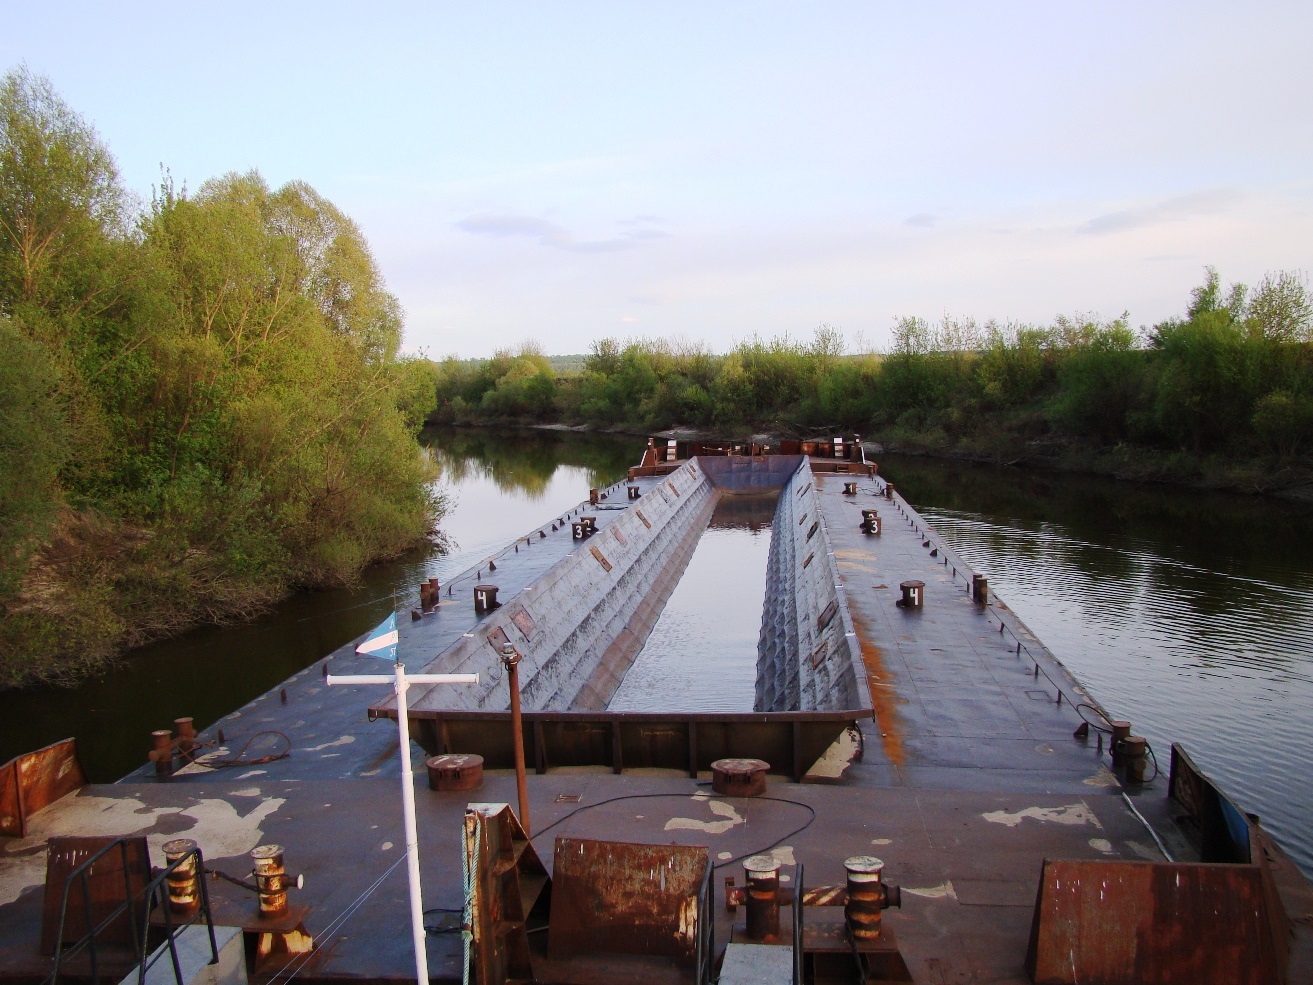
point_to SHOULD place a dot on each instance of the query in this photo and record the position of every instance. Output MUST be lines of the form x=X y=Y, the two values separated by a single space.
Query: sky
x=566 y=172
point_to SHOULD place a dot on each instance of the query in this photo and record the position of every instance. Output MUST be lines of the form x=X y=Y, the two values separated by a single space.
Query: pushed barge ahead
x=902 y=713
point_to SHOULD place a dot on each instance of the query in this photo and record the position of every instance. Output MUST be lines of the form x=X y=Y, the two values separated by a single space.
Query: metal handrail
x=155 y=894
x=88 y=940
x=798 y=931
x=705 y=955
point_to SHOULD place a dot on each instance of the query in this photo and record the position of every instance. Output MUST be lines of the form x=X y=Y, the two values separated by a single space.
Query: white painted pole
x=410 y=679
x=412 y=834
x=400 y=683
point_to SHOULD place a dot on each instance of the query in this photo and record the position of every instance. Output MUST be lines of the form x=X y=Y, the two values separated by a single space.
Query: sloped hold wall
x=580 y=626
x=743 y=474
x=807 y=659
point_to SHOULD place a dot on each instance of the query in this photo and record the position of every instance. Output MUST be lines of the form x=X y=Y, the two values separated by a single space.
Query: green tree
x=1101 y=380
x=1011 y=369
x=1280 y=309
x=60 y=195
x=1284 y=421
x=33 y=444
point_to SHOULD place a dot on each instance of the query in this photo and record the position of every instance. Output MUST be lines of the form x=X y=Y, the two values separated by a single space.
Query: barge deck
x=954 y=760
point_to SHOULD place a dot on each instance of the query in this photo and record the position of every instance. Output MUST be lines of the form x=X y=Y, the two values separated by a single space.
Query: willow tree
x=277 y=392
x=60 y=196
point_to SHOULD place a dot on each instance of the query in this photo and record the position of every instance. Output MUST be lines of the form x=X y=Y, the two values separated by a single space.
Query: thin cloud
x=1208 y=202
x=922 y=220
x=510 y=225
x=551 y=235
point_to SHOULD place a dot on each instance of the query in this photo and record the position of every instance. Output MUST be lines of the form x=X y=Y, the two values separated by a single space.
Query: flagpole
x=412 y=829
x=401 y=682
x=412 y=833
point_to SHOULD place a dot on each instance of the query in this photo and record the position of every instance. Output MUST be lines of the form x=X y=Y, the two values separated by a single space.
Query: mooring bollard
x=980 y=590
x=1134 y=750
x=455 y=771
x=485 y=598
x=593 y=496
x=761 y=891
x=889 y=490
x=184 y=898
x=739 y=777
x=633 y=492
x=186 y=729
x=871 y=522
x=1121 y=731
x=850 y=489
x=161 y=753
x=868 y=896
x=270 y=879
x=913 y=594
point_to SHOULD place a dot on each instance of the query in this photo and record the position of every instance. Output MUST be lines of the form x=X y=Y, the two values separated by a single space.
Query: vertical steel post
x=182 y=881
x=511 y=658
x=866 y=896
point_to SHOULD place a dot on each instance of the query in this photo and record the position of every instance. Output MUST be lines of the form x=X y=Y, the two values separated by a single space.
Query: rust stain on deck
x=883 y=700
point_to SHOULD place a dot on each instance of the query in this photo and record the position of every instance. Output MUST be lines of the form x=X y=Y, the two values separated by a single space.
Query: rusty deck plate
x=1100 y=923
x=623 y=898
x=35 y=779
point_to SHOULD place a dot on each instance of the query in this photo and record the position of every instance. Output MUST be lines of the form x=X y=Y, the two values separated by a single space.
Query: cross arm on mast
x=410 y=679
x=401 y=682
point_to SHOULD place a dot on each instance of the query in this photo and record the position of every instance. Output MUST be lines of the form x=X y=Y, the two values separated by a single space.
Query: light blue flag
x=382 y=641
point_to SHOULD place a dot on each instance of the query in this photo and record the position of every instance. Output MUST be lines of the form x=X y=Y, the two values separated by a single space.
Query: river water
x=1188 y=613
x=702 y=653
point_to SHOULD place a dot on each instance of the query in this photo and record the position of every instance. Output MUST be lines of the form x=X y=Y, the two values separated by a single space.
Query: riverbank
x=98 y=589
x=204 y=403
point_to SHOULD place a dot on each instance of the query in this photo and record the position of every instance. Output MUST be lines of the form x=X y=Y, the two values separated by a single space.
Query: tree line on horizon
x=1232 y=376
x=202 y=401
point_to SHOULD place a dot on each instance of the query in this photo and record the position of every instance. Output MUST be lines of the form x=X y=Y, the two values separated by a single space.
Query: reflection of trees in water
x=1248 y=536
x=745 y=511
x=1220 y=579
x=524 y=461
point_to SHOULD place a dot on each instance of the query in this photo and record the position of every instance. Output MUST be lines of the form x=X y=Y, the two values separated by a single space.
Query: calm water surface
x=1190 y=614
x=702 y=654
